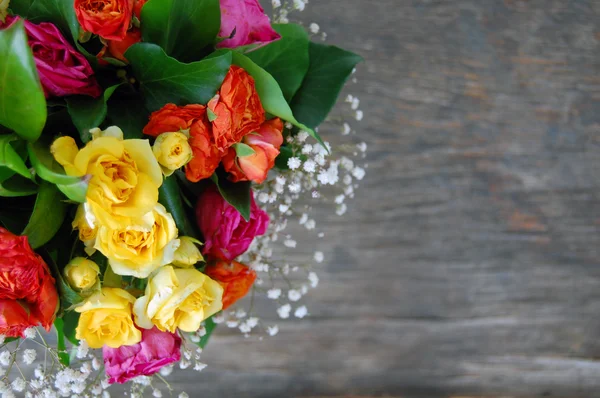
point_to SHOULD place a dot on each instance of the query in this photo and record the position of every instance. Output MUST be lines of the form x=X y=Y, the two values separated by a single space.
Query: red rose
x=237 y=108
x=117 y=48
x=137 y=8
x=109 y=19
x=236 y=279
x=26 y=286
x=265 y=142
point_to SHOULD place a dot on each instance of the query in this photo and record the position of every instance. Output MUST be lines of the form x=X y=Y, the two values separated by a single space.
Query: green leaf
x=20 y=7
x=70 y=321
x=17 y=186
x=169 y=195
x=111 y=279
x=87 y=112
x=209 y=326
x=165 y=80
x=236 y=194
x=286 y=59
x=330 y=67
x=63 y=356
x=67 y=294
x=129 y=113
x=242 y=149
x=270 y=94
x=75 y=188
x=10 y=159
x=22 y=102
x=47 y=217
x=62 y=14
x=181 y=27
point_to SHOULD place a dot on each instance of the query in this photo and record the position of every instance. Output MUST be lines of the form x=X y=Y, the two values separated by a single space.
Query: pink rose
x=62 y=70
x=157 y=349
x=248 y=23
x=226 y=233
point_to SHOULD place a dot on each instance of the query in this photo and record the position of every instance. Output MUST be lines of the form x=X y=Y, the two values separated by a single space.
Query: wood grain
x=469 y=264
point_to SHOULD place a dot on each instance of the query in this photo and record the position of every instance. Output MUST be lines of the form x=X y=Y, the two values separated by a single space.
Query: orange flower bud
x=236 y=279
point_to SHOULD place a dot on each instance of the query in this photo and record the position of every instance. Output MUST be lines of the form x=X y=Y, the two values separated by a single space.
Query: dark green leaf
x=87 y=112
x=22 y=102
x=242 y=149
x=70 y=321
x=17 y=186
x=181 y=27
x=169 y=195
x=68 y=296
x=10 y=159
x=63 y=356
x=129 y=113
x=20 y=7
x=47 y=217
x=330 y=67
x=210 y=327
x=236 y=194
x=285 y=59
x=165 y=80
x=75 y=188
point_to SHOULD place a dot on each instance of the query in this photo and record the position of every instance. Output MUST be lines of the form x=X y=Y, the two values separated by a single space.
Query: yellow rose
x=106 y=319
x=188 y=254
x=136 y=250
x=87 y=232
x=178 y=298
x=172 y=151
x=81 y=273
x=125 y=175
x=3 y=9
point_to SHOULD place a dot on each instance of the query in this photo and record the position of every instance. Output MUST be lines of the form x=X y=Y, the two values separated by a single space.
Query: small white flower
x=184 y=364
x=5 y=358
x=252 y=322
x=314 y=28
x=299 y=5
x=314 y=279
x=359 y=115
x=347 y=179
x=2 y=338
x=294 y=295
x=280 y=179
x=307 y=149
x=156 y=393
x=302 y=136
x=290 y=243
x=355 y=103
x=240 y=313
x=310 y=225
x=29 y=356
x=316 y=195
x=358 y=173
x=320 y=159
x=218 y=319
x=8 y=394
x=279 y=188
x=295 y=187
x=167 y=370
x=346 y=129
x=346 y=163
x=96 y=364
x=340 y=199
x=301 y=312
x=274 y=294
x=284 y=311
x=362 y=146
x=232 y=324
x=294 y=163
x=82 y=349
x=18 y=384
x=283 y=208
x=310 y=166
x=272 y=197
x=263 y=197
x=341 y=209
x=319 y=257
x=321 y=234
x=245 y=328
x=323 y=177
x=199 y=366
x=303 y=218
x=349 y=98
x=273 y=330
x=30 y=333
x=276 y=3
x=184 y=395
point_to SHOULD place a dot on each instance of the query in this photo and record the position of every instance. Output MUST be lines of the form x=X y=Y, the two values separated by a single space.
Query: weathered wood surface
x=469 y=264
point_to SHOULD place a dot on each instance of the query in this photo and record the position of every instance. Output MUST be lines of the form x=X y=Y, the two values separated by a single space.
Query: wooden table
x=469 y=263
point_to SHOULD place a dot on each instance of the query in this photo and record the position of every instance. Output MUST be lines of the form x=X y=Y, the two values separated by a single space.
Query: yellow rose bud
x=178 y=298
x=188 y=254
x=125 y=175
x=4 y=9
x=173 y=151
x=106 y=319
x=137 y=250
x=81 y=273
x=87 y=232
x=112 y=131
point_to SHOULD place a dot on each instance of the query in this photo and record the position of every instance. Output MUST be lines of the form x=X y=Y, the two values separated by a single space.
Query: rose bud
x=173 y=151
x=117 y=48
x=81 y=274
x=255 y=166
x=108 y=19
x=236 y=279
x=187 y=254
x=87 y=232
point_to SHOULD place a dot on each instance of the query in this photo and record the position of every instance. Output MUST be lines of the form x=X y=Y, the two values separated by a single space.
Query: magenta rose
x=157 y=349
x=247 y=22
x=226 y=233
x=62 y=70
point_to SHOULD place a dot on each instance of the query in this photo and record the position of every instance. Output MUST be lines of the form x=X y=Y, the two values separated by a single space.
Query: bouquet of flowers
x=151 y=152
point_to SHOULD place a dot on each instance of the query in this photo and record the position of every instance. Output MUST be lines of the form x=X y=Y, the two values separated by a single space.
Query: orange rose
x=173 y=118
x=237 y=109
x=109 y=19
x=265 y=143
x=117 y=48
x=137 y=8
x=26 y=281
x=236 y=279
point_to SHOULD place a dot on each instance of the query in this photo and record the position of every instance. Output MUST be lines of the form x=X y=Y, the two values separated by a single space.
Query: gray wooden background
x=469 y=264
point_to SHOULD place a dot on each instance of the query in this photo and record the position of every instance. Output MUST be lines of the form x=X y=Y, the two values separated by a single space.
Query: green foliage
x=181 y=27
x=63 y=356
x=129 y=113
x=209 y=326
x=20 y=7
x=242 y=149
x=286 y=59
x=164 y=79
x=87 y=112
x=70 y=321
x=47 y=217
x=22 y=102
x=169 y=195
x=236 y=194
x=330 y=67
x=17 y=186
x=10 y=161
x=75 y=188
